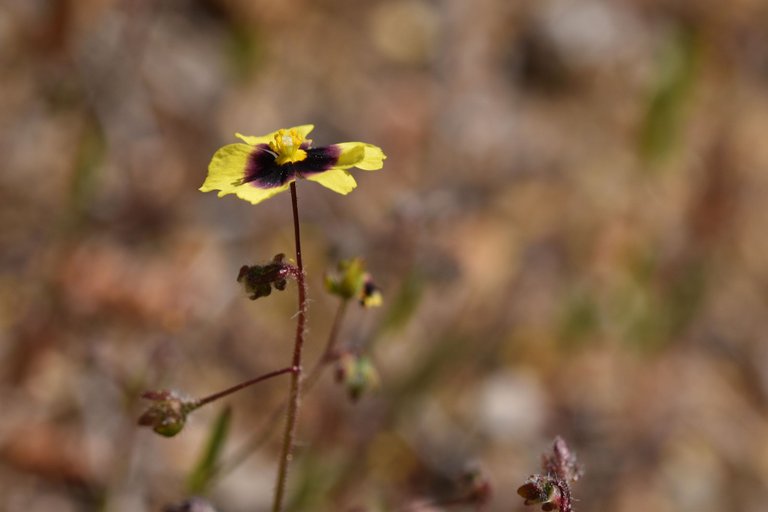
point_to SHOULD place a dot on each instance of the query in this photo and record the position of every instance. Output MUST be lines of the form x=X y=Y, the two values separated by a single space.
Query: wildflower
x=267 y=165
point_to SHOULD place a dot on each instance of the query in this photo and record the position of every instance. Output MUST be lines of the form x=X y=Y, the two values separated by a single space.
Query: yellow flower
x=267 y=165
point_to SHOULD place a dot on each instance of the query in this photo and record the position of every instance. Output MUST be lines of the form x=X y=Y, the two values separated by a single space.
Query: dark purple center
x=263 y=171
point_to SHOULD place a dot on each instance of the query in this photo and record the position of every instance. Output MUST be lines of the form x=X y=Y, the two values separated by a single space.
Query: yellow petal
x=302 y=130
x=372 y=300
x=361 y=155
x=227 y=168
x=255 y=195
x=338 y=180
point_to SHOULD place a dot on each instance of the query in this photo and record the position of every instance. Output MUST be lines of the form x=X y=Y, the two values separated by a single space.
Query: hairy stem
x=211 y=398
x=308 y=383
x=295 y=393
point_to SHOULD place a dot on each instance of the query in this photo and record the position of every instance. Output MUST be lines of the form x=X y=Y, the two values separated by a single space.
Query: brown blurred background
x=569 y=232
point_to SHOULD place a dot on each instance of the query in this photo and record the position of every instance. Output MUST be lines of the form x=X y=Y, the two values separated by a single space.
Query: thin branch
x=238 y=387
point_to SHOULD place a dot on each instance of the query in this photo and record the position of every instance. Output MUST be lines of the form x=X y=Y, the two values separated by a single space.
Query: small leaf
x=676 y=76
x=200 y=477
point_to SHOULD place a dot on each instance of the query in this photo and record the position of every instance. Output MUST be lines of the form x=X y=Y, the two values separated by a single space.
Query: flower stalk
x=295 y=392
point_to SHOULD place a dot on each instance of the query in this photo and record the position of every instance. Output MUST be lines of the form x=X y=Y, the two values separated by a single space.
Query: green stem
x=295 y=393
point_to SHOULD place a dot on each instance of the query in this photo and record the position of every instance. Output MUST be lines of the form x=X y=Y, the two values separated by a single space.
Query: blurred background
x=569 y=233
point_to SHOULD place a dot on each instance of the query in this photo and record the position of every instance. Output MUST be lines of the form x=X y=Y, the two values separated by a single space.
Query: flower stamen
x=287 y=146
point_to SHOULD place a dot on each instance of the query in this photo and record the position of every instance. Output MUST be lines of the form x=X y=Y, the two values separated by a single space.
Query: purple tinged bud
x=552 y=490
x=562 y=462
x=538 y=490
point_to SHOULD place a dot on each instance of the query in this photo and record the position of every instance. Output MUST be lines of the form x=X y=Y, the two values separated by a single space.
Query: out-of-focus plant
x=357 y=374
x=353 y=282
x=676 y=76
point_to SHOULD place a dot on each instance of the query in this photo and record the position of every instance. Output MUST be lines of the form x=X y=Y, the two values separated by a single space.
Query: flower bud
x=562 y=462
x=351 y=281
x=548 y=491
x=357 y=374
x=552 y=491
x=168 y=412
x=536 y=489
